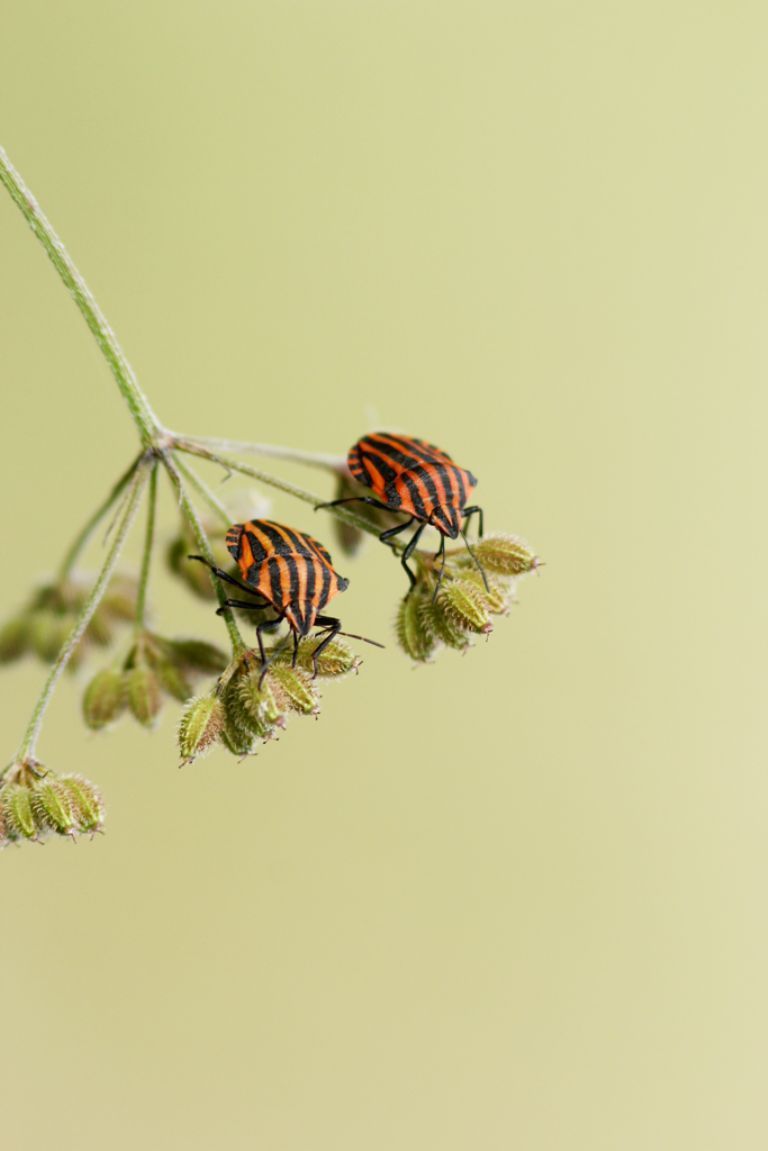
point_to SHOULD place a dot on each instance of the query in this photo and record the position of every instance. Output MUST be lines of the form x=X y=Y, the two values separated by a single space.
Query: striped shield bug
x=420 y=480
x=291 y=573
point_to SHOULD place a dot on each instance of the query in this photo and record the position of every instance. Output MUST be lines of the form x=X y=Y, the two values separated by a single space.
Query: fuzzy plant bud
x=335 y=659
x=86 y=802
x=119 y=602
x=18 y=814
x=142 y=688
x=173 y=680
x=105 y=698
x=201 y=726
x=197 y=655
x=52 y=805
x=48 y=633
x=463 y=604
x=441 y=626
x=415 y=633
x=506 y=555
x=14 y=638
x=293 y=689
x=494 y=594
x=100 y=630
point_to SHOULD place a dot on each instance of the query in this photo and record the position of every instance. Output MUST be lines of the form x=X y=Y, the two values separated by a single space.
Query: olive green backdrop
x=516 y=899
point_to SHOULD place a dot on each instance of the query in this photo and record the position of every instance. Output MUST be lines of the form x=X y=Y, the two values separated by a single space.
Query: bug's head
x=343 y=583
x=447 y=519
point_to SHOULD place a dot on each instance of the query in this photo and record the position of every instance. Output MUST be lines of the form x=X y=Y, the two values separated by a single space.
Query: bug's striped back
x=289 y=568
x=413 y=476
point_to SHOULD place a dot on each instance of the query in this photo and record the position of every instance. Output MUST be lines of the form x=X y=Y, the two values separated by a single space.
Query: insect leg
x=265 y=625
x=409 y=550
x=440 y=552
x=475 y=560
x=245 y=605
x=296 y=649
x=391 y=532
x=332 y=628
x=356 y=500
x=467 y=516
x=224 y=575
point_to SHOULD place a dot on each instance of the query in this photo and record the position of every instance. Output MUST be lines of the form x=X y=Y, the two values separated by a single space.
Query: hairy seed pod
x=100 y=630
x=142 y=689
x=52 y=805
x=335 y=658
x=200 y=726
x=415 y=635
x=14 y=638
x=104 y=699
x=464 y=606
x=120 y=598
x=441 y=627
x=87 y=804
x=506 y=555
x=292 y=688
x=173 y=681
x=197 y=655
x=495 y=597
x=48 y=633
x=19 y=817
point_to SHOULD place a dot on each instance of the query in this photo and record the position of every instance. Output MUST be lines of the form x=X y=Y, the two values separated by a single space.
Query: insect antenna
x=351 y=635
x=475 y=560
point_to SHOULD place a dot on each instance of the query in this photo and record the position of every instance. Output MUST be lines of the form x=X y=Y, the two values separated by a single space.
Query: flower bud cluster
x=43 y=626
x=155 y=668
x=446 y=613
x=35 y=803
x=249 y=706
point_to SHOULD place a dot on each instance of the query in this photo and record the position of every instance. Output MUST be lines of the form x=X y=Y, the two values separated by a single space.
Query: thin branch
x=72 y=556
x=32 y=733
x=212 y=500
x=146 y=559
x=189 y=510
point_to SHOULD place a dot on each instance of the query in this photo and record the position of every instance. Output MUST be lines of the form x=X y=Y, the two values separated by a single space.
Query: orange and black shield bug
x=291 y=573
x=420 y=480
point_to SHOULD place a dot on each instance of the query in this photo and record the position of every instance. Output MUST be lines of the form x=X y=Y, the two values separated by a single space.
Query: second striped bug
x=291 y=573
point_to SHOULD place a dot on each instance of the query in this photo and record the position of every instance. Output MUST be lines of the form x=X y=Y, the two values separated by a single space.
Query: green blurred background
x=513 y=900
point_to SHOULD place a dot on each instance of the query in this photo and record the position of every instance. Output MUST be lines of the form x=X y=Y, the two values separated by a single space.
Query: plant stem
x=196 y=448
x=137 y=402
x=146 y=559
x=32 y=733
x=72 y=556
x=188 y=508
x=202 y=487
x=335 y=464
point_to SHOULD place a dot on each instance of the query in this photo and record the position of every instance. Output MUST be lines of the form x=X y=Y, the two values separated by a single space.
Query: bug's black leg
x=475 y=560
x=224 y=575
x=409 y=550
x=389 y=534
x=295 y=648
x=265 y=625
x=440 y=552
x=467 y=516
x=245 y=605
x=332 y=628
x=356 y=500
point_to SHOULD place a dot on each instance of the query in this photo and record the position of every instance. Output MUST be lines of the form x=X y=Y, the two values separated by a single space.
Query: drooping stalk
x=146 y=559
x=29 y=742
x=85 y=533
x=199 y=532
x=205 y=492
x=137 y=402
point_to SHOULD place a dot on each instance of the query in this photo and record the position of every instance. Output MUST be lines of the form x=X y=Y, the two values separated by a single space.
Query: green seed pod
x=495 y=597
x=200 y=726
x=17 y=810
x=52 y=805
x=120 y=599
x=3 y=828
x=335 y=659
x=292 y=689
x=48 y=633
x=142 y=689
x=173 y=681
x=506 y=555
x=441 y=627
x=236 y=739
x=104 y=699
x=86 y=801
x=100 y=630
x=14 y=638
x=463 y=604
x=256 y=699
x=197 y=655
x=415 y=634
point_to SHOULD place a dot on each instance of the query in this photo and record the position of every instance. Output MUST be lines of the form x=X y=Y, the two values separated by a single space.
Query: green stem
x=72 y=556
x=196 y=448
x=137 y=402
x=205 y=492
x=146 y=559
x=29 y=743
x=335 y=464
x=190 y=512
